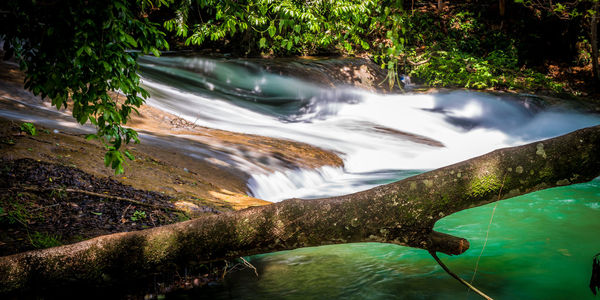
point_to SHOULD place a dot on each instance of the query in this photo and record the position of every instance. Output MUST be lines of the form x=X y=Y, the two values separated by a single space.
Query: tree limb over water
x=402 y=213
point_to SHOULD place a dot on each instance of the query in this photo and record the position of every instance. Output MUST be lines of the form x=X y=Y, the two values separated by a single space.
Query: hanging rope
x=487 y=234
x=467 y=284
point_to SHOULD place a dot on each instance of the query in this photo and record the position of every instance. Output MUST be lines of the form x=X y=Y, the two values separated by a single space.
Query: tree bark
x=402 y=213
x=594 y=41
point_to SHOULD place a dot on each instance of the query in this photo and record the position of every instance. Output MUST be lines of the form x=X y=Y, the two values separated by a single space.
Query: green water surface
x=540 y=246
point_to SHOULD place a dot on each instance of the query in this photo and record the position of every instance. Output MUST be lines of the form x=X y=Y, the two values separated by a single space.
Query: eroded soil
x=44 y=204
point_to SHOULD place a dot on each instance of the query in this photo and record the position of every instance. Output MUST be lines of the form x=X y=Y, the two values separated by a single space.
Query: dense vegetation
x=80 y=52
x=472 y=44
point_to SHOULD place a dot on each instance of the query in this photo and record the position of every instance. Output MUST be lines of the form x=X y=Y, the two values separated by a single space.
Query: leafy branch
x=80 y=53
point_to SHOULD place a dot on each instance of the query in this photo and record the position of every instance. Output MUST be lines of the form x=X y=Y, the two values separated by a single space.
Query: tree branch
x=474 y=289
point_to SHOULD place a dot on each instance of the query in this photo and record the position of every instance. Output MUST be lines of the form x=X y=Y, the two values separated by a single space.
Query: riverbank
x=181 y=170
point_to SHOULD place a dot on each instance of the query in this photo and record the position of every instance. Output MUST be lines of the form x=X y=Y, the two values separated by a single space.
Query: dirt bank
x=181 y=169
x=161 y=157
x=45 y=205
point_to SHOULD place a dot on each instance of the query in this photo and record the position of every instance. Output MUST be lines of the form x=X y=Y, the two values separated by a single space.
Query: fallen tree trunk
x=401 y=213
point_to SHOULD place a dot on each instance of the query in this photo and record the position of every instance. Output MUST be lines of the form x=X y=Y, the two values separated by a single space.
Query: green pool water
x=540 y=246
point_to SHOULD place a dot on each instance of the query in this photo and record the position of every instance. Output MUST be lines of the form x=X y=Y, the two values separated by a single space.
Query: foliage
x=461 y=50
x=456 y=68
x=284 y=27
x=81 y=51
x=462 y=69
x=28 y=128
x=584 y=49
x=393 y=22
x=59 y=193
x=14 y=212
x=138 y=216
x=279 y=27
x=561 y=9
x=584 y=12
x=42 y=240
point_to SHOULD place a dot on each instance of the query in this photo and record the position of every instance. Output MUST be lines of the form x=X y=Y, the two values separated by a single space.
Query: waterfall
x=381 y=138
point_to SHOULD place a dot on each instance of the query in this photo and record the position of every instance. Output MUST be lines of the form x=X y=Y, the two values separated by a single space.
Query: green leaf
x=28 y=128
x=106 y=66
x=262 y=43
x=365 y=45
x=129 y=155
x=155 y=51
x=130 y=40
x=272 y=30
x=91 y=137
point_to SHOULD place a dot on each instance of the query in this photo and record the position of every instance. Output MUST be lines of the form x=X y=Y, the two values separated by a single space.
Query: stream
x=540 y=246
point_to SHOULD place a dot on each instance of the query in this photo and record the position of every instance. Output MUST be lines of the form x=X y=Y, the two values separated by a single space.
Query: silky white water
x=381 y=138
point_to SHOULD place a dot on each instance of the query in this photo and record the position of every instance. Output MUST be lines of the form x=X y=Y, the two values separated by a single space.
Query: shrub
x=28 y=128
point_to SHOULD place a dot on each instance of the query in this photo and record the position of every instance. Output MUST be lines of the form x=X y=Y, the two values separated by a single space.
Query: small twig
x=123 y=220
x=249 y=265
x=152 y=220
x=419 y=62
x=26 y=188
x=225 y=270
x=437 y=259
x=44 y=207
x=21 y=222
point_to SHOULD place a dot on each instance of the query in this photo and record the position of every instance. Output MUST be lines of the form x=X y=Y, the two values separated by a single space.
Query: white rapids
x=381 y=138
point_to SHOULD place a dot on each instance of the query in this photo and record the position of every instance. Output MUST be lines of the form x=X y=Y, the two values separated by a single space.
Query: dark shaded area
x=527 y=39
x=38 y=212
x=595 y=280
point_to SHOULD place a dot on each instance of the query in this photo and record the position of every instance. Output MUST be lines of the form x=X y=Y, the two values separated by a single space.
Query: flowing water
x=540 y=245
